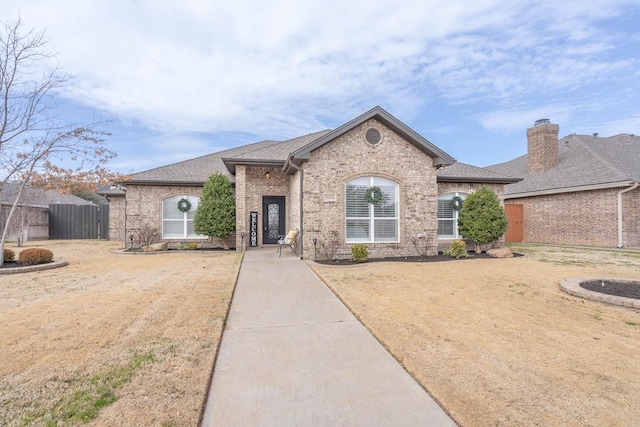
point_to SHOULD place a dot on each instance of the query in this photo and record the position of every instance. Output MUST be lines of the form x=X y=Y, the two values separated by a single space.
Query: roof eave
x=590 y=187
x=164 y=183
x=486 y=180
x=231 y=163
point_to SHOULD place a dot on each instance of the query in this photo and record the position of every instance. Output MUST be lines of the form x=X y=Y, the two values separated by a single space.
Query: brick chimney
x=542 y=146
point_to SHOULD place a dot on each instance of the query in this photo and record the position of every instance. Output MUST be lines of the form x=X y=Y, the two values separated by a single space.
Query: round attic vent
x=373 y=136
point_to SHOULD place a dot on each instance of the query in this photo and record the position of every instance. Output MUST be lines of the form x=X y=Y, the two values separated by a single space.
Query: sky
x=180 y=79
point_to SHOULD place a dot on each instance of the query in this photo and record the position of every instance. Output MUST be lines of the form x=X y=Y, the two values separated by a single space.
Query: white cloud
x=282 y=67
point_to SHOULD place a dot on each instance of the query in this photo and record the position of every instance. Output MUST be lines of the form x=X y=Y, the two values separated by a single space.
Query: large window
x=448 y=216
x=175 y=223
x=368 y=222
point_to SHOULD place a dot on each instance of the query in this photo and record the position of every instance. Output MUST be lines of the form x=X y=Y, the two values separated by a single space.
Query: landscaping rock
x=500 y=253
x=163 y=246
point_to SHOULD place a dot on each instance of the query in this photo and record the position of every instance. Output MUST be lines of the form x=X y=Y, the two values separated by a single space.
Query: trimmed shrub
x=33 y=256
x=191 y=246
x=9 y=255
x=482 y=218
x=457 y=249
x=360 y=252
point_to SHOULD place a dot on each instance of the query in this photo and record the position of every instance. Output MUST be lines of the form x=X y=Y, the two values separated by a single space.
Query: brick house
x=579 y=190
x=317 y=184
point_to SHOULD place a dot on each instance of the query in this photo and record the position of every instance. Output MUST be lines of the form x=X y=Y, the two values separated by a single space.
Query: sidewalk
x=293 y=355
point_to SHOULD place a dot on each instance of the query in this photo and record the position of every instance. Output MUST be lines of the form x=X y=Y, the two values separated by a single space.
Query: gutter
x=568 y=189
x=620 y=228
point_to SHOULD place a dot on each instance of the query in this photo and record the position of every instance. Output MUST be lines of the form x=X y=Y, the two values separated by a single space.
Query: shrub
x=216 y=213
x=482 y=218
x=33 y=256
x=148 y=235
x=330 y=245
x=360 y=253
x=191 y=246
x=457 y=249
x=9 y=255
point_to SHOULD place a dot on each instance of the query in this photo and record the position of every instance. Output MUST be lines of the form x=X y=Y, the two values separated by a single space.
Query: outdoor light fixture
x=315 y=249
x=267 y=175
x=242 y=234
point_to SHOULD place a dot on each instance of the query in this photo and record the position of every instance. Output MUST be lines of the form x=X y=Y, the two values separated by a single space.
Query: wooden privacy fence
x=78 y=221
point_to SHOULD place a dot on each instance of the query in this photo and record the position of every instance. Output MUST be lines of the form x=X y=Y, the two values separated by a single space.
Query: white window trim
x=371 y=218
x=185 y=220
x=456 y=233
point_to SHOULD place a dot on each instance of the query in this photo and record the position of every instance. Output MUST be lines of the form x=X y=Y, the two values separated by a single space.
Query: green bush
x=191 y=246
x=482 y=218
x=33 y=256
x=457 y=249
x=9 y=255
x=360 y=253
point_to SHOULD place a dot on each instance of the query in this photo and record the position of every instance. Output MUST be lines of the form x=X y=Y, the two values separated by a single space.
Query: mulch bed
x=628 y=289
x=434 y=258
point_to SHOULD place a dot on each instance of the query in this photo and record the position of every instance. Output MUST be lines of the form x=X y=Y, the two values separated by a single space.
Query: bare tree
x=32 y=139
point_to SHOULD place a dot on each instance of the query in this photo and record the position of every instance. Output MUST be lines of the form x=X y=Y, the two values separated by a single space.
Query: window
x=175 y=223
x=367 y=222
x=448 y=217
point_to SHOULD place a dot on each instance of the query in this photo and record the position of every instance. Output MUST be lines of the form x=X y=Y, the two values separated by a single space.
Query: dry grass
x=120 y=337
x=497 y=342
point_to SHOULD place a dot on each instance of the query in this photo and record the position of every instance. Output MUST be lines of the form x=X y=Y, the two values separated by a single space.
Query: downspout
x=633 y=187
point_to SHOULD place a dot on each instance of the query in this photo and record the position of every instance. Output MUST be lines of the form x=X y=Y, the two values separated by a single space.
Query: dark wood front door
x=273 y=217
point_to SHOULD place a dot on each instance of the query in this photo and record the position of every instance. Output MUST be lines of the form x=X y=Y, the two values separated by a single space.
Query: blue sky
x=180 y=79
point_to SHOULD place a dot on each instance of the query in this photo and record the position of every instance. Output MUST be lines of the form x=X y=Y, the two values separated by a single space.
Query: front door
x=272 y=219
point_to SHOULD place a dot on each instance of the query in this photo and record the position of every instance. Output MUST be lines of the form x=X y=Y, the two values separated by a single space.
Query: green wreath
x=456 y=203
x=373 y=195
x=184 y=205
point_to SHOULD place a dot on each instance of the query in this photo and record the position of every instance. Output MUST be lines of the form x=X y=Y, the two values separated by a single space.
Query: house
x=372 y=180
x=578 y=190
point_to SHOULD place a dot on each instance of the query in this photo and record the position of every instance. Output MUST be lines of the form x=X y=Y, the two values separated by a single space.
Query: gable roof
x=271 y=155
x=584 y=162
x=195 y=171
x=462 y=172
x=440 y=158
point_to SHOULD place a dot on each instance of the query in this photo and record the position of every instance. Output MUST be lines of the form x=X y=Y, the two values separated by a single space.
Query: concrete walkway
x=293 y=355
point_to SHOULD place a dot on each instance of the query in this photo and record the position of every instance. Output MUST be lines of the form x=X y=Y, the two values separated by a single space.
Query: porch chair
x=289 y=240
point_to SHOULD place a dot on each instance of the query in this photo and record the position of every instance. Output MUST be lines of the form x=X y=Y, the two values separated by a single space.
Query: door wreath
x=373 y=195
x=456 y=203
x=184 y=205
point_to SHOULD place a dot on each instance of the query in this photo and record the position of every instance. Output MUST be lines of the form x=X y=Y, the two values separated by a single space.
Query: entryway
x=273 y=219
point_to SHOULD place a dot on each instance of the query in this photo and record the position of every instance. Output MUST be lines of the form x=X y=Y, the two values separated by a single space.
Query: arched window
x=177 y=224
x=448 y=216
x=371 y=222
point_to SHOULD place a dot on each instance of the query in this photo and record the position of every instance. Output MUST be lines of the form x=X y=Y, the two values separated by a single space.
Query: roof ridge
x=602 y=160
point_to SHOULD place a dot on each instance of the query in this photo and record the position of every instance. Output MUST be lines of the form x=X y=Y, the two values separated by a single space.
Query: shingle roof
x=583 y=160
x=32 y=196
x=462 y=172
x=196 y=171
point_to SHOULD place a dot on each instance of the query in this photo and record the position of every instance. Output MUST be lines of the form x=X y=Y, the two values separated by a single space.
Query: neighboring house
x=579 y=190
x=31 y=219
x=317 y=184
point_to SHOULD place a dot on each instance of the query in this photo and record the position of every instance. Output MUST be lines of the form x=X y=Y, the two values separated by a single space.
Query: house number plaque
x=253 y=227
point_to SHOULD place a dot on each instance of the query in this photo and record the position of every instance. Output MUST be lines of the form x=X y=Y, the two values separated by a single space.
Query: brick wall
x=116 y=218
x=581 y=218
x=251 y=186
x=144 y=207
x=542 y=147
x=350 y=156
